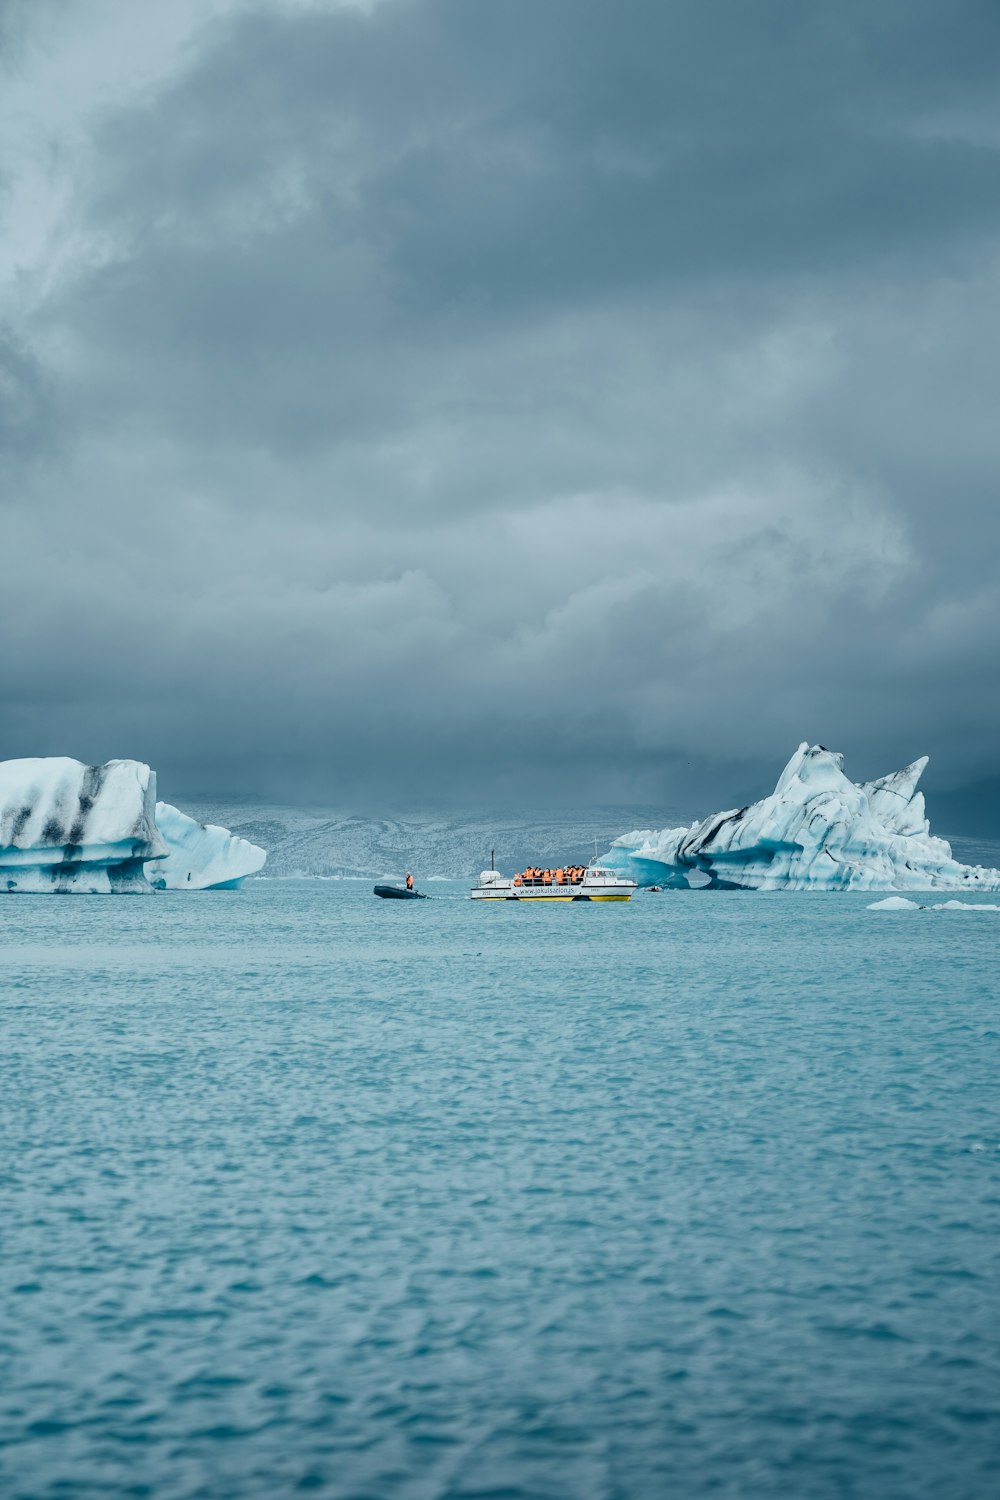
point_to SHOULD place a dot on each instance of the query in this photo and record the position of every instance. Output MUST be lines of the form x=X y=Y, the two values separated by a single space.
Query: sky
x=552 y=399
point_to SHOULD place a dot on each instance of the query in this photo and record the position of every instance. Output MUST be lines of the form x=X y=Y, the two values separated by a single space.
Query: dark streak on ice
x=90 y=788
x=706 y=838
x=21 y=818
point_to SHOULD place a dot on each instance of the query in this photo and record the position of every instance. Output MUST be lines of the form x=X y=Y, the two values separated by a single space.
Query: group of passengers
x=570 y=875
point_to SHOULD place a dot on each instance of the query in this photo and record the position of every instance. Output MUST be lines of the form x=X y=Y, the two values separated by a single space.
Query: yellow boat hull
x=550 y=900
x=597 y=884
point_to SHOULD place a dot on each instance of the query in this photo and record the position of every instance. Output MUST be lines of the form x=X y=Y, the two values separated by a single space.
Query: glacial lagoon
x=307 y=1192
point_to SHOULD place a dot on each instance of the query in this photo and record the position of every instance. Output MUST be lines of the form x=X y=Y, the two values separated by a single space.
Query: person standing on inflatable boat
x=409 y=881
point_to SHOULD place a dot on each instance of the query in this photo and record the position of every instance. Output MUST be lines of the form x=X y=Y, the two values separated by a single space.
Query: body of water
x=304 y=1192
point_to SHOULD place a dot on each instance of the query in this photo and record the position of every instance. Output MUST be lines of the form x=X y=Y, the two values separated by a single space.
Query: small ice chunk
x=895 y=903
x=964 y=906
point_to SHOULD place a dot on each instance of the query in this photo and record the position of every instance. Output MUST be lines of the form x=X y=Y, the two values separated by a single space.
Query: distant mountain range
x=317 y=841
x=454 y=845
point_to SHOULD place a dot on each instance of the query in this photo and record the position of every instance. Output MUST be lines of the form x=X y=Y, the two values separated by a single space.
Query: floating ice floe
x=963 y=906
x=68 y=827
x=900 y=903
x=200 y=856
x=817 y=831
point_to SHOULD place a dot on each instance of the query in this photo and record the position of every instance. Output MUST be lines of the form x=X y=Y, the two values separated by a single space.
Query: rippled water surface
x=303 y=1191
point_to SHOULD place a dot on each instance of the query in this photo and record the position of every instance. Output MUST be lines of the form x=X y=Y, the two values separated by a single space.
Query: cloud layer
x=581 y=399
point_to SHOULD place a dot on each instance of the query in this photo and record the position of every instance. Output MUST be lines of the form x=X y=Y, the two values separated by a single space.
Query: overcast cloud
x=585 y=399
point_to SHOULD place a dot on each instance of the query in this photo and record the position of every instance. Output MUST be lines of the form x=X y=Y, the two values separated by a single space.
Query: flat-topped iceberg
x=68 y=827
x=93 y=830
x=200 y=856
x=817 y=831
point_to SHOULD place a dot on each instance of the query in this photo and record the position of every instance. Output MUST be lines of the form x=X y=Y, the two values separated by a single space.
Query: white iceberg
x=68 y=827
x=895 y=903
x=817 y=831
x=200 y=856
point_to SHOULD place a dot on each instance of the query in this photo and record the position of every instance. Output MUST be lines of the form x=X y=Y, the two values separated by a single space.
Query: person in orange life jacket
x=409 y=881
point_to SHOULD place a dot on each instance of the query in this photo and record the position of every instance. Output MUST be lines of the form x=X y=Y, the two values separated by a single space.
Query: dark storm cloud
x=636 y=140
x=613 y=382
x=26 y=418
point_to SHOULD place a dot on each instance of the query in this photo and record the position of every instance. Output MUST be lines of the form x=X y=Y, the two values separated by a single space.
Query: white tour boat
x=574 y=883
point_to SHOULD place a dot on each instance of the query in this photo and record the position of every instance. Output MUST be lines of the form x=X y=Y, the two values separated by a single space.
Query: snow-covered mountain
x=450 y=845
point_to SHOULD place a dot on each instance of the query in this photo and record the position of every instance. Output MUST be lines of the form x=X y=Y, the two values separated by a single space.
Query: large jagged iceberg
x=817 y=830
x=201 y=856
x=69 y=827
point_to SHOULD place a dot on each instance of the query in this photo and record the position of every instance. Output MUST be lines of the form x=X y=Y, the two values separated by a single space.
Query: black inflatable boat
x=399 y=893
